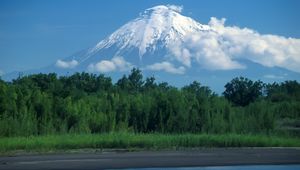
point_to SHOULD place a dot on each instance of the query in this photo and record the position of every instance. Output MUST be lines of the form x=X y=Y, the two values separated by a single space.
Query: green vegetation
x=58 y=108
x=139 y=141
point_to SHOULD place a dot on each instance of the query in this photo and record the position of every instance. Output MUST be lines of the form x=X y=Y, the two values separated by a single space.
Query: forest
x=84 y=103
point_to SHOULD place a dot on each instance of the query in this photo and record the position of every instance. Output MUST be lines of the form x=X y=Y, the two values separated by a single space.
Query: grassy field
x=140 y=141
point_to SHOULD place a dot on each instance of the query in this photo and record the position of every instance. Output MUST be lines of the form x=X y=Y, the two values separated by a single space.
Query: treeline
x=44 y=104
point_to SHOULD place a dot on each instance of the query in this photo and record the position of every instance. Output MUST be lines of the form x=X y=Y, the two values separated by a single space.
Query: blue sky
x=34 y=34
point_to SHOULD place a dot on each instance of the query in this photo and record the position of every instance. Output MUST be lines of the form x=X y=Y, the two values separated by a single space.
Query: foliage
x=45 y=104
x=242 y=91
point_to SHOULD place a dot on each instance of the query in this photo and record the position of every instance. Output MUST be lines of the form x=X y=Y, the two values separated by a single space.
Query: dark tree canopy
x=136 y=80
x=288 y=90
x=242 y=91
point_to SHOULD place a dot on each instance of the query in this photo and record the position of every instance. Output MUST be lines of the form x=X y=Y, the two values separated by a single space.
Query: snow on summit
x=160 y=23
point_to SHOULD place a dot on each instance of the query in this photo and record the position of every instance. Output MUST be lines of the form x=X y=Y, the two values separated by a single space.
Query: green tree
x=242 y=91
x=123 y=84
x=136 y=80
x=150 y=84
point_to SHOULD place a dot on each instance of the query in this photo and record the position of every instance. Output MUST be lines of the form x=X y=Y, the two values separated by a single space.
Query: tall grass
x=144 y=141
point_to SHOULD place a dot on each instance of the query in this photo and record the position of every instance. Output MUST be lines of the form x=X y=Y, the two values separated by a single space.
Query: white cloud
x=268 y=50
x=209 y=53
x=176 y=8
x=206 y=49
x=121 y=64
x=271 y=76
x=116 y=63
x=220 y=47
x=214 y=22
x=180 y=53
x=167 y=67
x=66 y=64
x=102 y=66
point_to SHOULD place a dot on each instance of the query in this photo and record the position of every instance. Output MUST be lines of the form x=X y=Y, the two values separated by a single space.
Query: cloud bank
x=167 y=67
x=272 y=76
x=222 y=47
x=66 y=64
x=116 y=63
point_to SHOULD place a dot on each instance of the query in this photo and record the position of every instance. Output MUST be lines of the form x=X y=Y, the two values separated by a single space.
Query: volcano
x=177 y=49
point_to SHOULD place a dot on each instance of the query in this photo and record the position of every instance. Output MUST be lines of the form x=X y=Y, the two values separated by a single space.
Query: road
x=109 y=160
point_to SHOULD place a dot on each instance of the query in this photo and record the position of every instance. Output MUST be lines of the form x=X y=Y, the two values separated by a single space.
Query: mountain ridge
x=164 y=43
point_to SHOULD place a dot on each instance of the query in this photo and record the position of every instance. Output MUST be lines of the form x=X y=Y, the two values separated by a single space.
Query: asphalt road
x=142 y=159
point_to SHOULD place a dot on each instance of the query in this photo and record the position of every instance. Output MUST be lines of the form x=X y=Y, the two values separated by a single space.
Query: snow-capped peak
x=164 y=35
x=161 y=23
